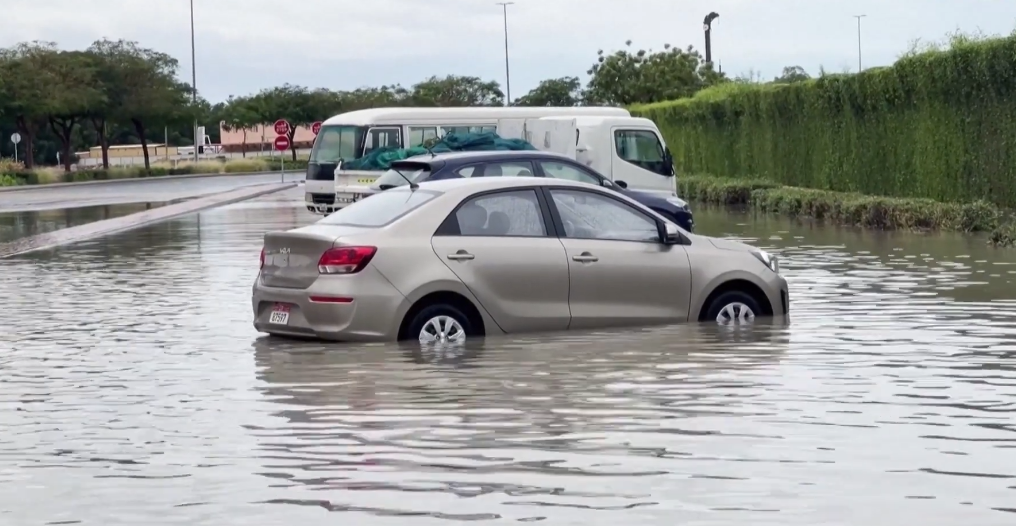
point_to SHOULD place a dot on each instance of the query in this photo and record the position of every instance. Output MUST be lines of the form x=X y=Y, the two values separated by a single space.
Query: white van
x=352 y=135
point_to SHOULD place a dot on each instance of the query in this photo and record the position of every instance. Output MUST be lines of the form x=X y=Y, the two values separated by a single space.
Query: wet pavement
x=138 y=191
x=133 y=390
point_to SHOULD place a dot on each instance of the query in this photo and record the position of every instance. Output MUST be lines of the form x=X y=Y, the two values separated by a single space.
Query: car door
x=498 y=244
x=620 y=272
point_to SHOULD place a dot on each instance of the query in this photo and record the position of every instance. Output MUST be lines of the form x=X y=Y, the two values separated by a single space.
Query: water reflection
x=16 y=225
x=134 y=390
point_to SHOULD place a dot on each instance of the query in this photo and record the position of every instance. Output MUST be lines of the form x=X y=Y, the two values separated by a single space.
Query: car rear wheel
x=733 y=308
x=440 y=324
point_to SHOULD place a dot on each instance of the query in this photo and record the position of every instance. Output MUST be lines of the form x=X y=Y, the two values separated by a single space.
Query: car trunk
x=291 y=258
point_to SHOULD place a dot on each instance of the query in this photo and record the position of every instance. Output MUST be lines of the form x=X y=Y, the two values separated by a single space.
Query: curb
x=116 y=225
x=156 y=178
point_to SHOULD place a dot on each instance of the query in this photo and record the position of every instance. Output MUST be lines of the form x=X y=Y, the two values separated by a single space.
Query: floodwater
x=17 y=225
x=133 y=390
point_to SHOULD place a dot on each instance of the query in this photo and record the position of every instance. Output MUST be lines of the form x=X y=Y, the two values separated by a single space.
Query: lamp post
x=507 y=71
x=194 y=79
x=707 y=26
x=859 y=17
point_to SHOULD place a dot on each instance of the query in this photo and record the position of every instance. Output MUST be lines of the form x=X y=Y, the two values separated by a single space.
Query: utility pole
x=859 y=17
x=194 y=78
x=507 y=71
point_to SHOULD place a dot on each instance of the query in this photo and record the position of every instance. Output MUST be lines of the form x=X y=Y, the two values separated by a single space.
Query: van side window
x=421 y=134
x=641 y=148
x=382 y=138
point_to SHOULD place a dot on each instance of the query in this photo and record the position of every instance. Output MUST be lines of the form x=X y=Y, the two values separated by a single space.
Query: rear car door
x=620 y=272
x=499 y=245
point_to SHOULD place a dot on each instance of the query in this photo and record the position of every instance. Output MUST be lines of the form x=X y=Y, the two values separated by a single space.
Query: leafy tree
x=792 y=74
x=637 y=77
x=296 y=104
x=76 y=92
x=455 y=91
x=565 y=91
x=240 y=114
x=29 y=89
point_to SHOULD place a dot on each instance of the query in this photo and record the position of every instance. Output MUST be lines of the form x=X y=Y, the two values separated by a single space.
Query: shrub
x=235 y=166
x=843 y=208
x=9 y=180
x=936 y=125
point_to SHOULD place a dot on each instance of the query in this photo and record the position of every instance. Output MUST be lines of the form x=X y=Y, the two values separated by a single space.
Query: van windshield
x=338 y=142
x=415 y=172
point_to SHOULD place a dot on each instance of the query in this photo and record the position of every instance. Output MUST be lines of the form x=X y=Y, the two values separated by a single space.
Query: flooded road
x=133 y=390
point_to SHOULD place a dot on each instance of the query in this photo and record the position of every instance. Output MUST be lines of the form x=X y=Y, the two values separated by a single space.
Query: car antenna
x=412 y=185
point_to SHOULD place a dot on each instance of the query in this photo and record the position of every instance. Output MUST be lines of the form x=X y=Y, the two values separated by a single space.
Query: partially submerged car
x=445 y=261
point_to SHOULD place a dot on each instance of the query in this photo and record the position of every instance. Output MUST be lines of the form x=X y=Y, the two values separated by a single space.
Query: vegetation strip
x=852 y=209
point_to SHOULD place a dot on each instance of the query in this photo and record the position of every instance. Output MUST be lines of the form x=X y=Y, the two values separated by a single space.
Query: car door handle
x=585 y=257
x=461 y=255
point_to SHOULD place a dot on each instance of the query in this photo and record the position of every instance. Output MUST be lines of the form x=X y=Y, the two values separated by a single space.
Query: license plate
x=349 y=198
x=280 y=314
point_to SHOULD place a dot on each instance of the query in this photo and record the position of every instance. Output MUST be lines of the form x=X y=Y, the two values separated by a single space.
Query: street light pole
x=194 y=79
x=859 y=17
x=707 y=26
x=507 y=71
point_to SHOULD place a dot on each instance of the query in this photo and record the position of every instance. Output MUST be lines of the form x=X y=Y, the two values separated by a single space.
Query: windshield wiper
x=412 y=185
x=386 y=186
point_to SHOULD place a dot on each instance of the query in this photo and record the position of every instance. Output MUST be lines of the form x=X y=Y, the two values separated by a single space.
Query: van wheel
x=440 y=324
x=733 y=308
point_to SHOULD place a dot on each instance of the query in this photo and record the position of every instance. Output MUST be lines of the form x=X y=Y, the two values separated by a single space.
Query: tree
x=297 y=105
x=240 y=114
x=565 y=91
x=29 y=89
x=792 y=74
x=75 y=94
x=626 y=77
x=148 y=89
x=454 y=91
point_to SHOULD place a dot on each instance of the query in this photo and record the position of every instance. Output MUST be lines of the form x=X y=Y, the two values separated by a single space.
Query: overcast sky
x=246 y=45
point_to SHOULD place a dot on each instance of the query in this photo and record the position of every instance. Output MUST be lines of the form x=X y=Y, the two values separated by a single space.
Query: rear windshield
x=415 y=172
x=380 y=209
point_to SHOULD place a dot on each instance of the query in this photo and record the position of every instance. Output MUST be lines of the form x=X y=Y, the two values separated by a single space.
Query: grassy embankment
x=14 y=174
x=928 y=143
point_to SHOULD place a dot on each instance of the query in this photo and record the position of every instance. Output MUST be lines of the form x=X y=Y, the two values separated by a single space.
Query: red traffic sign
x=316 y=127
x=281 y=143
x=281 y=127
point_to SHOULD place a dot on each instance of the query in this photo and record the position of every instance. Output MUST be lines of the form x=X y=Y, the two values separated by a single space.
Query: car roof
x=470 y=185
x=485 y=155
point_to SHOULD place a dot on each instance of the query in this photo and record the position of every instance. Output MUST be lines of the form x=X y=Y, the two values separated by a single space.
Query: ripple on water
x=134 y=390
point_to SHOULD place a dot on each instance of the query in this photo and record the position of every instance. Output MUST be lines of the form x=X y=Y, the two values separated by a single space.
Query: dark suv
x=524 y=163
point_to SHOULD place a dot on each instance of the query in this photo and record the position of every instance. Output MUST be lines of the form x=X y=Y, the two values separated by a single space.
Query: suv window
x=559 y=170
x=641 y=148
x=508 y=168
x=589 y=215
x=514 y=213
x=380 y=209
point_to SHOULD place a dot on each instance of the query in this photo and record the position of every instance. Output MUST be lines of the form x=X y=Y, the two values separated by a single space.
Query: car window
x=638 y=146
x=511 y=169
x=382 y=138
x=467 y=171
x=559 y=170
x=380 y=209
x=514 y=213
x=589 y=215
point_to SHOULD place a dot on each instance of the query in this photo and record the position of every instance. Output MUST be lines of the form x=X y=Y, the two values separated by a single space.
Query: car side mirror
x=672 y=235
x=622 y=184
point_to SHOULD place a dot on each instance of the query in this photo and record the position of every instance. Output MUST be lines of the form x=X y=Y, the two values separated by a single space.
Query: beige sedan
x=451 y=260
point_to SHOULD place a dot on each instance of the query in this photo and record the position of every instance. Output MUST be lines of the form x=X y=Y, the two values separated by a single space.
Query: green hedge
x=938 y=125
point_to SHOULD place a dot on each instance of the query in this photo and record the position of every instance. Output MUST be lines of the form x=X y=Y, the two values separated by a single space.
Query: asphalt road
x=43 y=198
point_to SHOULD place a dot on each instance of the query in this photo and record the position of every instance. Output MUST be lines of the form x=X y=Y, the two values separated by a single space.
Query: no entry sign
x=281 y=143
x=281 y=127
x=316 y=127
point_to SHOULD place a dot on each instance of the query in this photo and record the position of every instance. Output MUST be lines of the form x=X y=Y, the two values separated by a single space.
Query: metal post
x=194 y=78
x=282 y=167
x=507 y=71
x=859 y=17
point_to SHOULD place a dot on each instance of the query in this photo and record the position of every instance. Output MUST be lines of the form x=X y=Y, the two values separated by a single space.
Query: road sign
x=15 y=137
x=282 y=143
x=281 y=127
x=316 y=127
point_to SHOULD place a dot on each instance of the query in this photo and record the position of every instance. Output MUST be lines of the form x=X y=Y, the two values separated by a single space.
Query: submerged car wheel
x=440 y=324
x=733 y=308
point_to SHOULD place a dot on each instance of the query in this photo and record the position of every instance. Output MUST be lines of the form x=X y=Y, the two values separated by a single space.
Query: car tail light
x=345 y=260
x=262 y=258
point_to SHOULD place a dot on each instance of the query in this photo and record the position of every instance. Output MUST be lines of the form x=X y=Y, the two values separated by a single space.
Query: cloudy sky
x=245 y=45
